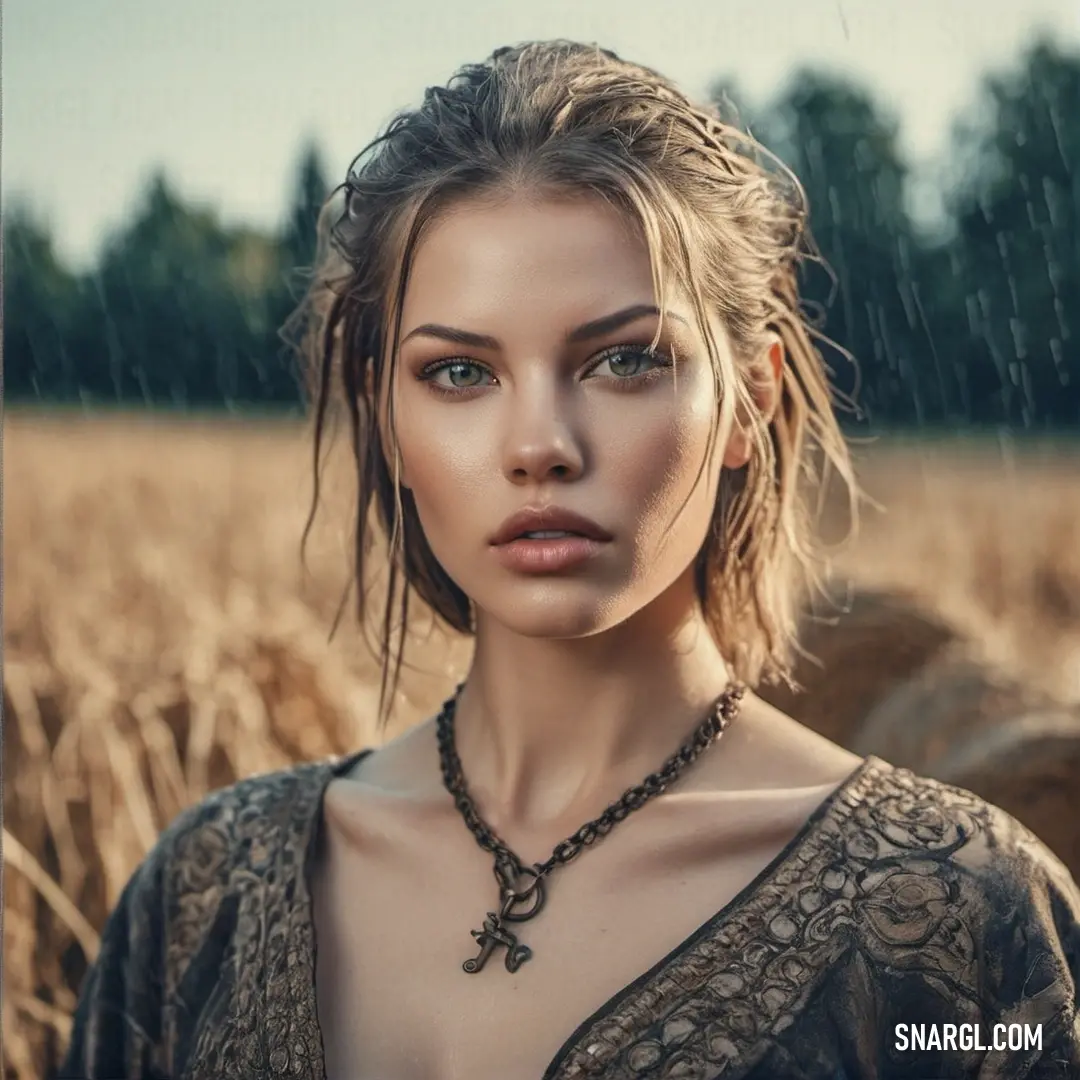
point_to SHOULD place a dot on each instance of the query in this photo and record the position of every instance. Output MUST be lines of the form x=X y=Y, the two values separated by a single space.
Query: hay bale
x=964 y=722
x=954 y=699
x=859 y=656
x=1030 y=767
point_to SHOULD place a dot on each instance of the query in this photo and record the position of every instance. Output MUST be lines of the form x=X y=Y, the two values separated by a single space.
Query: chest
x=395 y=921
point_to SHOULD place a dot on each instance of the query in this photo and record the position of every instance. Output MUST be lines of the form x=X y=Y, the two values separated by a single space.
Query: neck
x=553 y=729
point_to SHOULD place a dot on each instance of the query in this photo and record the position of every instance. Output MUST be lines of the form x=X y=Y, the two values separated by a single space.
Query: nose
x=540 y=442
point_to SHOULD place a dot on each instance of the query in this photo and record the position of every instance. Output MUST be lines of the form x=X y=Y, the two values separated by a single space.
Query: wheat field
x=162 y=637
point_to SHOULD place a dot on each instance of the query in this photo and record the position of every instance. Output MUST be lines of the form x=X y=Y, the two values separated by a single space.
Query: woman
x=560 y=305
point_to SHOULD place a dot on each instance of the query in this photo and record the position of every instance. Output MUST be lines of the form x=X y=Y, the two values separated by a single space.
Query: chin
x=553 y=608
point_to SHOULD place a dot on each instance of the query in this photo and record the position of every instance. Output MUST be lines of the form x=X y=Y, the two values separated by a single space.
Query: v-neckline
x=714 y=921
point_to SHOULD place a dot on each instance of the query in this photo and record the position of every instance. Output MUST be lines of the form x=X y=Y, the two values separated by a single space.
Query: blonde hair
x=564 y=118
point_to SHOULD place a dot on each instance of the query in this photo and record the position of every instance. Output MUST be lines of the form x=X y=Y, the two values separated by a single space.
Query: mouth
x=548 y=525
x=547 y=540
x=547 y=551
x=548 y=534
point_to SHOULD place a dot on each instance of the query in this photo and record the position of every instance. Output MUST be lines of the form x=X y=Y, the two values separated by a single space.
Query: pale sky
x=97 y=93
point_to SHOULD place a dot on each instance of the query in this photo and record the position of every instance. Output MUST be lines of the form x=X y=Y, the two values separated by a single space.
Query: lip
x=536 y=519
x=550 y=556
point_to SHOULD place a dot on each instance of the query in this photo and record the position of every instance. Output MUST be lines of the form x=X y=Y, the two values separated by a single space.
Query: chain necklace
x=521 y=888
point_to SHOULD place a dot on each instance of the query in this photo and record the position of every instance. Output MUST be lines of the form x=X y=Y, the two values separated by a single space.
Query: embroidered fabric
x=902 y=901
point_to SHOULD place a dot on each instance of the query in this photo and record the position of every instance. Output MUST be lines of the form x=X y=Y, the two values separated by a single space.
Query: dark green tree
x=41 y=302
x=297 y=248
x=844 y=149
x=1009 y=273
x=180 y=307
x=309 y=193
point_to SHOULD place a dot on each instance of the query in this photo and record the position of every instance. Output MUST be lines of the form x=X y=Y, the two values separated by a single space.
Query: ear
x=765 y=383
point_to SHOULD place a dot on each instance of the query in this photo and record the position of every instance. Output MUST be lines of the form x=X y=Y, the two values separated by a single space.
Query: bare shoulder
x=765 y=749
x=394 y=791
x=404 y=766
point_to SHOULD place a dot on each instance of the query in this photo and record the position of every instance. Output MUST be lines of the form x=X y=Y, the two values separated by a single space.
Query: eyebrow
x=606 y=324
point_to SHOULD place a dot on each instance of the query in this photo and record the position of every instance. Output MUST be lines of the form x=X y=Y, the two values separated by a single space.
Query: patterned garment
x=901 y=901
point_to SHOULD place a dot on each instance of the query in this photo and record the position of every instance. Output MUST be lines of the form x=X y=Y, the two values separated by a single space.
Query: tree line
x=978 y=324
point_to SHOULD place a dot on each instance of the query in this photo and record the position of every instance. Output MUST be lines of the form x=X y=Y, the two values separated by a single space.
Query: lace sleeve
x=181 y=986
x=1027 y=954
x=117 y=1026
x=966 y=936
x=1031 y=957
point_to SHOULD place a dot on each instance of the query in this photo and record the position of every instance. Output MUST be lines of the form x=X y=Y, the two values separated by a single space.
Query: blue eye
x=632 y=367
x=456 y=368
x=632 y=357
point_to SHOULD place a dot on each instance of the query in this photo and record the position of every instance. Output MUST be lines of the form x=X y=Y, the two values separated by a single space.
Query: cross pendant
x=493 y=935
x=495 y=932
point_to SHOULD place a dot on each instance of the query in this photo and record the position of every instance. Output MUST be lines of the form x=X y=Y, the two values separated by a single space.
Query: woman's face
x=536 y=415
